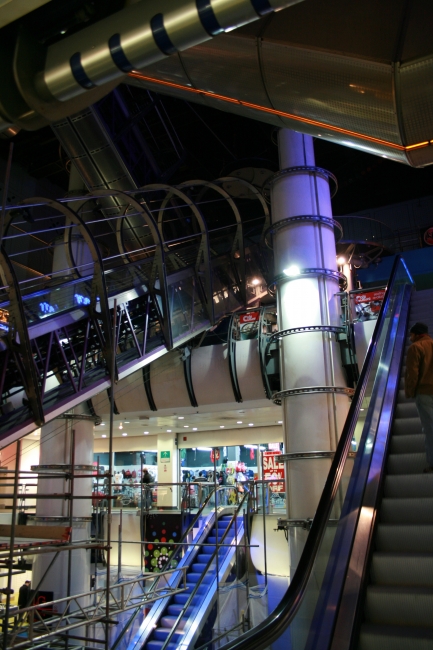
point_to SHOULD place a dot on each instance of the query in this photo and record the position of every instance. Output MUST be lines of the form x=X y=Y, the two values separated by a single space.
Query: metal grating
x=228 y=67
x=416 y=83
x=346 y=92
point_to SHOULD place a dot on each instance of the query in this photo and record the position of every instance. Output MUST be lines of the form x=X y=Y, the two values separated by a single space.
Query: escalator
x=365 y=578
x=398 y=601
x=186 y=619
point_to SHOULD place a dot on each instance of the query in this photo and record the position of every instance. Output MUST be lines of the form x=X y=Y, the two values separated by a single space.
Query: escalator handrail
x=274 y=625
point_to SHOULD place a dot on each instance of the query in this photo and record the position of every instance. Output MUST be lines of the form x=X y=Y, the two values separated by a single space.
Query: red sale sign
x=250 y=317
x=273 y=469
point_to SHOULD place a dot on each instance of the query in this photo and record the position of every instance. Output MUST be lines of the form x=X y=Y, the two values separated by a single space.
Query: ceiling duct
x=59 y=80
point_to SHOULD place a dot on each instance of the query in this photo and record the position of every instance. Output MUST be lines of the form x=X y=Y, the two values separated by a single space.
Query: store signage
x=272 y=468
x=368 y=303
x=215 y=454
x=165 y=457
x=250 y=317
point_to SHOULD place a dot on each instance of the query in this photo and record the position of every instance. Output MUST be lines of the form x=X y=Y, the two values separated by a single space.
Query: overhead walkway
x=364 y=579
x=90 y=296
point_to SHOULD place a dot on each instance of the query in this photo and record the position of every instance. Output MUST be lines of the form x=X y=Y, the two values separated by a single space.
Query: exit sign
x=165 y=456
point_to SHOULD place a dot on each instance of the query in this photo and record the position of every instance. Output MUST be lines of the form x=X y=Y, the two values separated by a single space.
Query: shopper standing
x=419 y=383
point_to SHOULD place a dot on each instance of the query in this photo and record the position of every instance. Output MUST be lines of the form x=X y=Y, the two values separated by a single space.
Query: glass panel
x=57 y=300
x=187 y=313
x=226 y=294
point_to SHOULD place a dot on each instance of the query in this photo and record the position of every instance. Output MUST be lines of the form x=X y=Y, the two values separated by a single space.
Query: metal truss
x=53 y=619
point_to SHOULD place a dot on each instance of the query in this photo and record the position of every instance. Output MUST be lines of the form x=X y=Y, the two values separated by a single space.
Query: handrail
x=275 y=624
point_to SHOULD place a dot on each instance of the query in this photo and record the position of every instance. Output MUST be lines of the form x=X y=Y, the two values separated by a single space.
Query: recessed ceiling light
x=102 y=424
x=103 y=435
x=124 y=434
x=194 y=428
x=168 y=430
x=180 y=417
x=126 y=421
x=186 y=426
x=239 y=422
x=250 y=424
x=280 y=422
x=120 y=426
x=146 y=433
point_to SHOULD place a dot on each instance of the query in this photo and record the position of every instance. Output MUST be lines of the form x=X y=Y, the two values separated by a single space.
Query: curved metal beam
x=99 y=287
x=19 y=340
x=159 y=273
x=238 y=240
x=203 y=255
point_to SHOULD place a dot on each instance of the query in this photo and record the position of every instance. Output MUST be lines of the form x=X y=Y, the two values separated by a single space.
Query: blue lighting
x=81 y=300
x=46 y=308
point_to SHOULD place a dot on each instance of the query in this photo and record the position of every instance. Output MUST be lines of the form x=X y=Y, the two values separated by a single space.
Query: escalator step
x=160 y=634
x=197 y=567
x=157 y=645
x=168 y=622
x=388 y=637
x=175 y=610
x=410 y=569
x=406 y=463
x=200 y=590
x=398 y=486
x=406 y=426
x=386 y=605
x=400 y=538
x=413 y=444
x=407 y=511
x=181 y=599
x=195 y=577
x=406 y=409
x=208 y=550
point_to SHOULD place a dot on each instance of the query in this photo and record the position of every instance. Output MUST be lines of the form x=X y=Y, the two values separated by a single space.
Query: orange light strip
x=273 y=111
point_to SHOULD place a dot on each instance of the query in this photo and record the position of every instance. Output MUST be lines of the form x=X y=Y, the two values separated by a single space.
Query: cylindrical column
x=304 y=254
x=55 y=451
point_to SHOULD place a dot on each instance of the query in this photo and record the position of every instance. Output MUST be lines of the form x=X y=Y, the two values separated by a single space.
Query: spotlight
x=292 y=271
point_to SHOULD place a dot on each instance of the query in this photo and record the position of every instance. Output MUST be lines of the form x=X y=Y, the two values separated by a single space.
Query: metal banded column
x=313 y=392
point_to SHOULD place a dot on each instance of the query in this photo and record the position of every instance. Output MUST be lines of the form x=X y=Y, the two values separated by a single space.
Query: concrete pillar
x=312 y=419
x=55 y=451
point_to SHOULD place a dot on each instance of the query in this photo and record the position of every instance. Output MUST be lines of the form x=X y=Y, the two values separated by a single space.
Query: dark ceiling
x=192 y=141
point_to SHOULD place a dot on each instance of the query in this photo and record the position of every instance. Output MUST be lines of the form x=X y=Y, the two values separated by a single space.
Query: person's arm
x=412 y=371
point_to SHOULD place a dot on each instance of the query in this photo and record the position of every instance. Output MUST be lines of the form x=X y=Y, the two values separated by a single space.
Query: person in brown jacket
x=419 y=382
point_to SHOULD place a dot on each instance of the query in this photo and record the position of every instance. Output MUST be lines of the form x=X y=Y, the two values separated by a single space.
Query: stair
x=398 y=608
x=176 y=604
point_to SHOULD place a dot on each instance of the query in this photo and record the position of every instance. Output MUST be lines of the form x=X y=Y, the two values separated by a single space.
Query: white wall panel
x=167 y=381
x=248 y=370
x=210 y=375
